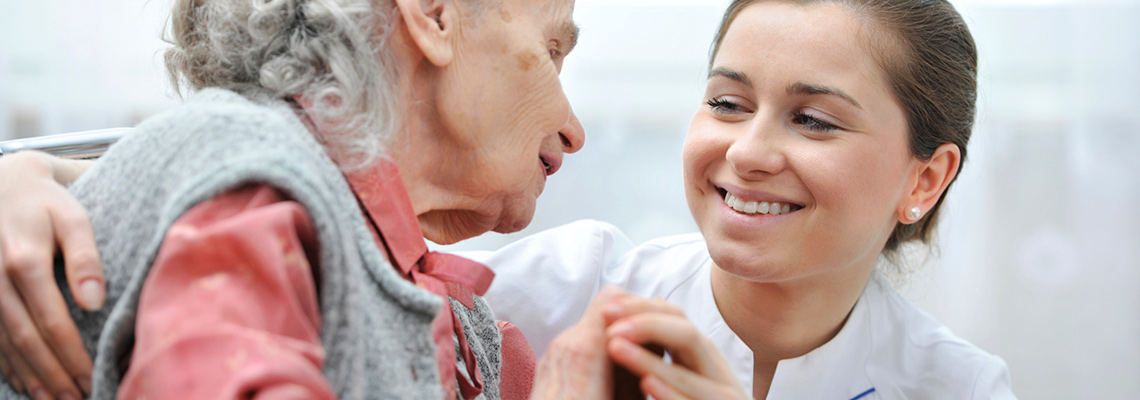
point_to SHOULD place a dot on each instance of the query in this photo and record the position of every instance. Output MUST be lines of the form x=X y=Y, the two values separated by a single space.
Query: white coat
x=887 y=349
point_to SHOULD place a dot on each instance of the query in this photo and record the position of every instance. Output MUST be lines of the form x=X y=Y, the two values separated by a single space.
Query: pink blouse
x=229 y=310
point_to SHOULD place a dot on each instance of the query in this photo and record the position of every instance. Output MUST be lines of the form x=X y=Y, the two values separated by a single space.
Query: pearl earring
x=915 y=213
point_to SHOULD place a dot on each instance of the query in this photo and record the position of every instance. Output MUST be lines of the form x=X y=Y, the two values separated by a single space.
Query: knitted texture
x=376 y=326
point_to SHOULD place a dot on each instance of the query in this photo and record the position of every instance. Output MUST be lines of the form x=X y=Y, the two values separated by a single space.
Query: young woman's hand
x=40 y=348
x=697 y=371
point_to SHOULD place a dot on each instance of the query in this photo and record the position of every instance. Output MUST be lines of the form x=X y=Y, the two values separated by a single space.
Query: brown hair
x=929 y=59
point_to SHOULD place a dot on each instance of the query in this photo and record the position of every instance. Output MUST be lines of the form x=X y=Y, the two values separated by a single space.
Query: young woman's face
x=799 y=161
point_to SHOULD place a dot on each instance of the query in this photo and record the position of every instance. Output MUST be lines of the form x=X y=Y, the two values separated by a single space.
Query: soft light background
x=1040 y=251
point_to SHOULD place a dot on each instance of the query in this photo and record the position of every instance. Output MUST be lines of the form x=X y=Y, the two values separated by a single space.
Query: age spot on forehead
x=505 y=14
x=526 y=59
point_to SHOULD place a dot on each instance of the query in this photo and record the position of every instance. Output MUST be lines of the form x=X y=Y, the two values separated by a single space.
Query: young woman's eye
x=812 y=123
x=720 y=105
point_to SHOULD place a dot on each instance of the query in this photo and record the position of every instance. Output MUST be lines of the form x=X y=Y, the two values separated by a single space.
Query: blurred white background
x=1040 y=245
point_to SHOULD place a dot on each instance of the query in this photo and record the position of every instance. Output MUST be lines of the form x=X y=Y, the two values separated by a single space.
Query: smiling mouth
x=757 y=207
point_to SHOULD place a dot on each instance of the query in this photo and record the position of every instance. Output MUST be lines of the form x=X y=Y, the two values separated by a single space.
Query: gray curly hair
x=332 y=52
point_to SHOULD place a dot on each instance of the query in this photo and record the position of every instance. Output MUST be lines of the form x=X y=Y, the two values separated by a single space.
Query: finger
x=25 y=379
x=6 y=369
x=631 y=305
x=644 y=363
x=36 y=284
x=653 y=386
x=80 y=257
x=27 y=342
x=606 y=297
x=677 y=334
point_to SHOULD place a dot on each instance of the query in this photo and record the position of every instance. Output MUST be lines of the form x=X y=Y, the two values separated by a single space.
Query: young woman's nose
x=758 y=151
x=573 y=135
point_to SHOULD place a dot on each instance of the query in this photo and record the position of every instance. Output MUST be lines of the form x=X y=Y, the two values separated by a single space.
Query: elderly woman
x=266 y=237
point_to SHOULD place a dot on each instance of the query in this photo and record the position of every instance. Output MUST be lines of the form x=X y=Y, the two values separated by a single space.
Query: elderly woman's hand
x=697 y=371
x=576 y=365
x=41 y=350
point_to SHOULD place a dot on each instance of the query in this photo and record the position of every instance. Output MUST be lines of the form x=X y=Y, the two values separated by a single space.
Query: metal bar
x=79 y=145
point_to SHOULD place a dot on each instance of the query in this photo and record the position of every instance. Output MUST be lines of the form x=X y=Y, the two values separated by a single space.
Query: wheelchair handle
x=78 y=145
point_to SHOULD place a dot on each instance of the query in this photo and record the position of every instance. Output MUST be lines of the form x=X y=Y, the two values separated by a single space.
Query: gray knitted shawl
x=376 y=326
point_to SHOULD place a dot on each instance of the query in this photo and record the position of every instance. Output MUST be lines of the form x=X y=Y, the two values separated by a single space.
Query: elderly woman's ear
x=431 y=25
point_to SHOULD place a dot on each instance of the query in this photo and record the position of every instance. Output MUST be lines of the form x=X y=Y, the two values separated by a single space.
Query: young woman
x=830 y=133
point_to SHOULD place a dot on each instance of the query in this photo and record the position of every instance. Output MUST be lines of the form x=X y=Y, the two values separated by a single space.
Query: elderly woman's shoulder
x=216 y=126
x=217 y=140
x=220 y=113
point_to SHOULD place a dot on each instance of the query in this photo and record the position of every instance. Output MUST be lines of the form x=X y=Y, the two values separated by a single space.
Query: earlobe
x=431 y=25
x=931 y=180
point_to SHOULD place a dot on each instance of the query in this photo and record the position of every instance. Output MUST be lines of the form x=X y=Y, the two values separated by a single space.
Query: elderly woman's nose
x=573 y=135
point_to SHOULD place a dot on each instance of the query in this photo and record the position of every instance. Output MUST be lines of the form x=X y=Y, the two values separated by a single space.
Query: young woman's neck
x=785 y=320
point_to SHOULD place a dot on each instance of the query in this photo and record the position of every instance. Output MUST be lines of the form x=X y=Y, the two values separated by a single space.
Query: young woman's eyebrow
x=731 y=74
x=802 y=88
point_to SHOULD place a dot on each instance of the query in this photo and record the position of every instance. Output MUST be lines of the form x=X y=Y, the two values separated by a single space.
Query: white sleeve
x=993 y=381
x=544 y=282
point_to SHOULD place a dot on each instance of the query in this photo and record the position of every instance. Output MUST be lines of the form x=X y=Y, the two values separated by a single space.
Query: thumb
x=608 y=295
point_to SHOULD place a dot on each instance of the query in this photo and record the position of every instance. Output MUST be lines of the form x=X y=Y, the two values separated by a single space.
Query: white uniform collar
x=836 y=370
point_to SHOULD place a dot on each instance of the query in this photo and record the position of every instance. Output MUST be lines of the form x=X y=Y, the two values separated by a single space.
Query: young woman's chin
x=749 y=262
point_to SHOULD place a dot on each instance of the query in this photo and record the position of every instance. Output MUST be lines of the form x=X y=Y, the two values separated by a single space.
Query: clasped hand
x=622 y=330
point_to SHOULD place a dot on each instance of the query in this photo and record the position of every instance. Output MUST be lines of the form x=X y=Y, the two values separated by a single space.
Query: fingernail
x=91 y=291
x=613 y=310
x=85 y=384
x=41 y=394
x=623 y=329
x=622 y=346
x=67 y=396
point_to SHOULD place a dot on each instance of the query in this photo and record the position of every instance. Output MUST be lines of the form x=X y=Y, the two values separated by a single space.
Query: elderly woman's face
x=503 y=101
x=799 y=161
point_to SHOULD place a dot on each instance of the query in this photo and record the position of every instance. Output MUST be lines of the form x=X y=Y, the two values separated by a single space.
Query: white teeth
x=752 y=207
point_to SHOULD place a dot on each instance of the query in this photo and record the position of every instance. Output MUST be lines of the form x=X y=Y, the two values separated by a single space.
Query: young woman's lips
x=754 y=207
